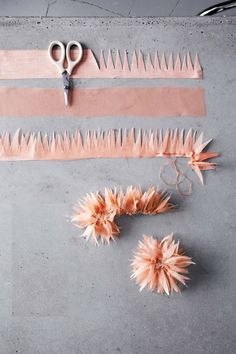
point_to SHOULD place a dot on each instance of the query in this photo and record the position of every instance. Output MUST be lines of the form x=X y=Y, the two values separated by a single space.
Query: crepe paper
x=96 y=212
x=103 y=102
x=110 y=144
x=160 y=265
x=35 y=64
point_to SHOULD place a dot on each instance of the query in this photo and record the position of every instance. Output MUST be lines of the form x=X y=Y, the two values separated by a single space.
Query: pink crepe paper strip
x=71 y=146
x=32 y=64
x=103 y=102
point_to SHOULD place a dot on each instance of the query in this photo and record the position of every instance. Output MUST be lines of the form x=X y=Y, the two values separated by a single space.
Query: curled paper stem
x=110 y=144
x=96 y=212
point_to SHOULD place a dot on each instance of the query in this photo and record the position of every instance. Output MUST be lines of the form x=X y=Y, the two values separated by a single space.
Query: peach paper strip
x=98 y=144
x=102 y=102
x=35 y=64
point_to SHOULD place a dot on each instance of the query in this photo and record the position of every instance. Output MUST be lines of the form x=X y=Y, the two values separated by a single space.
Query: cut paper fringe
x=110 y=144
x=160 y=265
x=22 y=64
x=151 y=67
x=96 y=212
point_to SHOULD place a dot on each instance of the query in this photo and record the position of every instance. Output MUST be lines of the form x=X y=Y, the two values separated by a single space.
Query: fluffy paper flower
x=160 y=265
x=93 y=215
x=96 y=213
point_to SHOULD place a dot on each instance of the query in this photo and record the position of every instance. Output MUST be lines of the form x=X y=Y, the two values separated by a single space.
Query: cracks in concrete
x=50 y=3
x=98 y=7
x=177 y=3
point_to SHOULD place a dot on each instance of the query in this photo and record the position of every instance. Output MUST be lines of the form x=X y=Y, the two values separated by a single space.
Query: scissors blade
x=66 y=86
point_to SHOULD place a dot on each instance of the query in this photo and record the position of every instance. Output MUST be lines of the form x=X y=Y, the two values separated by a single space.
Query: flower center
x=158 y=263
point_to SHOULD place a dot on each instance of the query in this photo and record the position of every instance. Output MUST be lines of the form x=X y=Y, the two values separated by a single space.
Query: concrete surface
x=61 y=295
x=128 y=8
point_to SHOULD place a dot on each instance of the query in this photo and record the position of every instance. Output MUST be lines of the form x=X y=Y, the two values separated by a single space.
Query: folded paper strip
x=96 y=212
x=30 y=64
x=103 y=102
x=160 y=265
x=110 y=144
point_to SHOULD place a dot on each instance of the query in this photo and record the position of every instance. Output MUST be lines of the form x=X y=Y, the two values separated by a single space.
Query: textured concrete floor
x=106 y=8
x=60 y=295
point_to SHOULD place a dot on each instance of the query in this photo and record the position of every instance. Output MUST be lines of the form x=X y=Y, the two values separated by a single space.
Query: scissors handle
x=73 y=63
x=60 y=62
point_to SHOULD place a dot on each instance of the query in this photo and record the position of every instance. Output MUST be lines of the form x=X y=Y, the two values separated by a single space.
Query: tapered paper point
x=149 y=64
x=126 y=62
x=156 y=61
x=178 y=63
x=134 y=64
x=110 y=63
x=171 y=62
x=118 y=65
x=189 y=62
x=163 y=62
x=184 y=63
x=141 y=65
x=102 y=63
x=197 y=66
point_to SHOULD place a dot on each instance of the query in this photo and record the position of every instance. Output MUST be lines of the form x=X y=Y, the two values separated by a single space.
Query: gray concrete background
x=122 y=8
x=61 y=295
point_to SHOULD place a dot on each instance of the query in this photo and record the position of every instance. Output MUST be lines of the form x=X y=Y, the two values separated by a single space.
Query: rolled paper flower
x=93 y=215
x=160 y=265
x=96 y=213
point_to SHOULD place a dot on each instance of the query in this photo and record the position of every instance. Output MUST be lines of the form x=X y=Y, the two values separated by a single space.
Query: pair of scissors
x=65 y=55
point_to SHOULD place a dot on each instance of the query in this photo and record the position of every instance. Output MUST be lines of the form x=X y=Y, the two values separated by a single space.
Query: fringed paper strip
x=29 y=64
x=160 y=265
x=110 y=144
x=96 y=212
x=151 y=67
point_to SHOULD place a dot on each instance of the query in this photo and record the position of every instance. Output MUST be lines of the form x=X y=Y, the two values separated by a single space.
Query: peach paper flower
x=96 y=213
x=160 y=265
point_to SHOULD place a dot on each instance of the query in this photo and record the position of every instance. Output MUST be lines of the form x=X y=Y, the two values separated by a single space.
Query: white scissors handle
x=60 y=62
x=73 y=63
